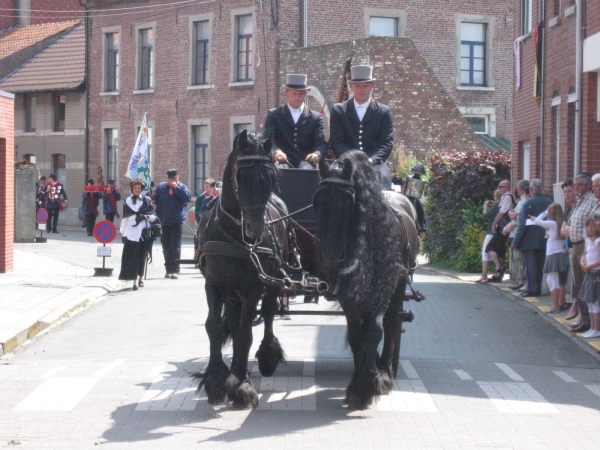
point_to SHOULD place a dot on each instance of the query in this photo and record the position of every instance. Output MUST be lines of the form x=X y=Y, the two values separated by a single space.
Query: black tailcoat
x=374 y=135
x=296 y=140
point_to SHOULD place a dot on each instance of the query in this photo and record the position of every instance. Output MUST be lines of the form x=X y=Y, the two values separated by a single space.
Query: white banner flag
x=139 y=164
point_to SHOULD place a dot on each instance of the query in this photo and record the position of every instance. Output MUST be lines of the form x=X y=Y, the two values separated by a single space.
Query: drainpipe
x=542 y=68
x=304 y=15
x=86 y=143
x=578 y=84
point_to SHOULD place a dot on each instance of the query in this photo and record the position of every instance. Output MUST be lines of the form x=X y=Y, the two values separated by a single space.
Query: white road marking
x=53 y=372
x=155 y=372
x=594 y=388
x=101 y=373
x=508 y=371
x=565 y=376
x=408 y=396
x=409 y=370
x=288 y=393
x=63 y=394
x=170 y=394
x=518 y=398
x=463 y=375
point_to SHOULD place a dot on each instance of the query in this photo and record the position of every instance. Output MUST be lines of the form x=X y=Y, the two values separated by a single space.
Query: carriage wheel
x=397 y=341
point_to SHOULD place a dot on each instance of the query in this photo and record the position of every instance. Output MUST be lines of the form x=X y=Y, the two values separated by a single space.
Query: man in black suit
x=362 y=123
x=530 y=238
x=296 y=130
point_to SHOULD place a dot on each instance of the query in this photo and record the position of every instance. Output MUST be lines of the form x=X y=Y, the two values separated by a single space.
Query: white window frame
x=490 y=23
x=556 y=101
x=526 y=160
x=488 y=112
x=110 y=125
x=236 y=120
x=398 y=14
x=105 y=32
x=192 y=53
x=526 y=25
x=235 y=13
x=138 y=58
x=192 y=153
x=29 y=113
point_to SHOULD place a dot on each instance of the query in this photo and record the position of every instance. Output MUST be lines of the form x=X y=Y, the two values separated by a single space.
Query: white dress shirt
x=361 y=109
x=128 y=228
x=296 y=112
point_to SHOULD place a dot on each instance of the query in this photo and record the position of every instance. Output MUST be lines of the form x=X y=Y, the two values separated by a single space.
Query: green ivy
x=458 y=185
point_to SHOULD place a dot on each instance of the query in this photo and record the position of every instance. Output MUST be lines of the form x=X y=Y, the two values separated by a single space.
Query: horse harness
x=242 y=249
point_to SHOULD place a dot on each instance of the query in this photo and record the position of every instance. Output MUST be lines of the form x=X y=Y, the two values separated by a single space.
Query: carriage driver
x=297 y=130
x=364 y=124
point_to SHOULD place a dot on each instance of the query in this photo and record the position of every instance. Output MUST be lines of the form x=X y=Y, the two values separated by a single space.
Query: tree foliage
x=457 y=187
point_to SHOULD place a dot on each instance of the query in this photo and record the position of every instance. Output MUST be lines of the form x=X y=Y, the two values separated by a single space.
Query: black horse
x=367 y=250
x=235 y=246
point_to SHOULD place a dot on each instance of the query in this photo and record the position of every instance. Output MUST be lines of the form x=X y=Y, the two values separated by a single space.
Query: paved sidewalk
x=49 y=281
x=540 y=304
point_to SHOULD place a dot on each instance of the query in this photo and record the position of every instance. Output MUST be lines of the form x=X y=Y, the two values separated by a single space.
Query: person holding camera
x=490 y=210
x=138 y=215
x=171 y=198
x=109 y=201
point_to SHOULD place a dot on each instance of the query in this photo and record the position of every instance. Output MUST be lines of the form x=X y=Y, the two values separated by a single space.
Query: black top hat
x=361 y=74
x=296 y=81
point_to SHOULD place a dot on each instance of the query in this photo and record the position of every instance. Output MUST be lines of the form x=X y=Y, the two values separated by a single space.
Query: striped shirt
x=585 y=205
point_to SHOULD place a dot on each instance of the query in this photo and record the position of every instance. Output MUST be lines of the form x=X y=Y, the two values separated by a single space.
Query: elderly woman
x=138 y=214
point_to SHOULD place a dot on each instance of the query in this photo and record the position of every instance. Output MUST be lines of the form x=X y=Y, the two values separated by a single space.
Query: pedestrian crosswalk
x=303 y=385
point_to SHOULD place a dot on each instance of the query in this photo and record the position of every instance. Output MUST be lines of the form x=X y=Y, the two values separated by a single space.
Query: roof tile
x=60 y=66
x=16 y=39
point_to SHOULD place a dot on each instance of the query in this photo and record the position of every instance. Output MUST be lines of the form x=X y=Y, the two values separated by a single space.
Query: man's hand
x=173 y=184
x=313 y=158
x=280 y=157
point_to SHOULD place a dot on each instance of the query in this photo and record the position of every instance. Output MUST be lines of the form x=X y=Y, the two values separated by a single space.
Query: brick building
x=7 y=180
x=17 y=13
x=50 y=112
x=206 y=70
x=557 y=134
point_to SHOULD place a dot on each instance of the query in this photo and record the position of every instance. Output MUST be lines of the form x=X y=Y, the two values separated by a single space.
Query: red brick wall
x=48 y=14
x=172 y=104
x=6 y=22
x=7 y=182
x=431 y=25
x=560 y=79
x=425 y=115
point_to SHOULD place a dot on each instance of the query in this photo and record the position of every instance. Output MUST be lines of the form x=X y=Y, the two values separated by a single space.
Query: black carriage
x=297 y=188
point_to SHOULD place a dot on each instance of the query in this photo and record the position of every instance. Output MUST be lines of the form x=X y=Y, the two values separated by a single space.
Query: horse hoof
x=213 y=380
x=269 y=355
x=242 y=395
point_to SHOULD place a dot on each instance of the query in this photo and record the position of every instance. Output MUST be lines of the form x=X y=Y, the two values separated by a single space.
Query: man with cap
x=171 y=198
x=89 y=206
x=361 y=123
x=297 y=131
x=109 y=201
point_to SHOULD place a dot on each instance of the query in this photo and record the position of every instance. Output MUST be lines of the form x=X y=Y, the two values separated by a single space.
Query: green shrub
x=458 y=185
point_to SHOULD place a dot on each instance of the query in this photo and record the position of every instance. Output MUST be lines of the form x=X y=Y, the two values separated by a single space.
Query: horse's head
x=334 y=204
x=254 y=179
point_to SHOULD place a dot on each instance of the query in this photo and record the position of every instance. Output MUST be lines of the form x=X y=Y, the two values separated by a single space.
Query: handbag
x=156 y=228
x=146 y=234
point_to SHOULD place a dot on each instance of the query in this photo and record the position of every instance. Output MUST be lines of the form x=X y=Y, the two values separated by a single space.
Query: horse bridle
x=252 y=158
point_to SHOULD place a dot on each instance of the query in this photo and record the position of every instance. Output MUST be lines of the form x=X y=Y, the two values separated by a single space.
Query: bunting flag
x=538 y=40
x=139 y=164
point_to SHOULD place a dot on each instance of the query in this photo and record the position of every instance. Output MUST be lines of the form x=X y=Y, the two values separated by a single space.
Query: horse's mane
x=374 y=251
